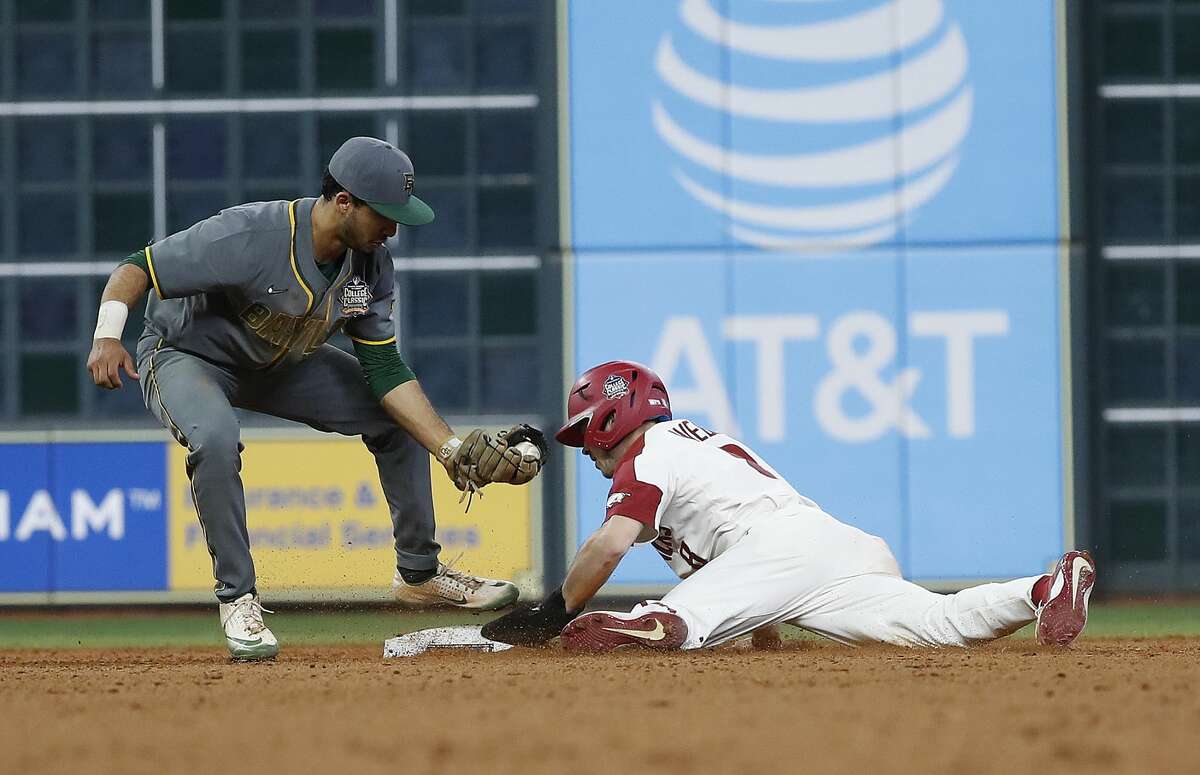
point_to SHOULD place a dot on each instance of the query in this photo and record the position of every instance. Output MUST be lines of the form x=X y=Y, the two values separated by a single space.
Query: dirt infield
x=1105 y=706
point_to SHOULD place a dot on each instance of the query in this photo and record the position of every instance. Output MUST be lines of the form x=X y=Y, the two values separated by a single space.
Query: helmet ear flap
x=599 y=426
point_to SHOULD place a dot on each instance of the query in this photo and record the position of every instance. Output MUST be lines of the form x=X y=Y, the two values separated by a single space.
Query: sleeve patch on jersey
x=636 y=500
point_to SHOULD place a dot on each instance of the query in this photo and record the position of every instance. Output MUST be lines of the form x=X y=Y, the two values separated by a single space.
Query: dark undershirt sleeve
x=138 y=259
x=382 y=367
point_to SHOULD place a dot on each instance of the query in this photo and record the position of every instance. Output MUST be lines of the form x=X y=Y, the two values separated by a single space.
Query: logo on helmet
x=615 y=386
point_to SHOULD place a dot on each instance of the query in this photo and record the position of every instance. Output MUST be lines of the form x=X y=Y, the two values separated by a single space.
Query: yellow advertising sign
x=318 y=520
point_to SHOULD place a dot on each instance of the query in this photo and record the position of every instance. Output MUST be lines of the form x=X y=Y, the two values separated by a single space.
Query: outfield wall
x=90 y=518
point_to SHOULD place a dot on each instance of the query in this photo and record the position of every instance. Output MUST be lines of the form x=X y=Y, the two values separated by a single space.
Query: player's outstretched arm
x=599 y=556
x=410 y=408
x=540 y=624
x=514 y=456
x=597 y=559
x=125 y=288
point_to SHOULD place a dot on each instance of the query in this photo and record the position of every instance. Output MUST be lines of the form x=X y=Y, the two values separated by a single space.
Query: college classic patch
x=615 y=386
x=356 y=296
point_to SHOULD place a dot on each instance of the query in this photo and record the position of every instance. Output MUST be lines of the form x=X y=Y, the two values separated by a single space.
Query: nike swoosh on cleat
x=257 y=642
x=658 y=633
x=1077 y=567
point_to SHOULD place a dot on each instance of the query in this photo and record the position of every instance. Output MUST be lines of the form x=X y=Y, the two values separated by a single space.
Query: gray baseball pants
x=194 y=399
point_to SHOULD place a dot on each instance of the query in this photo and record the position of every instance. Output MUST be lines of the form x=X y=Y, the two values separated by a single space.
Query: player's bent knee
x=215 y=445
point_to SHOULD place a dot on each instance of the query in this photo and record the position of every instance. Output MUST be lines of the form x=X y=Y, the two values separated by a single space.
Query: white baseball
x=528 y=450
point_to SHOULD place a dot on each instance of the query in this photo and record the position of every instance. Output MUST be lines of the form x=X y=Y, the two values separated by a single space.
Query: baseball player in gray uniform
x=243 y=305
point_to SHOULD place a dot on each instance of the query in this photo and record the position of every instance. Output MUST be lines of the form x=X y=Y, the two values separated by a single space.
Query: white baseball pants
x=814 y=572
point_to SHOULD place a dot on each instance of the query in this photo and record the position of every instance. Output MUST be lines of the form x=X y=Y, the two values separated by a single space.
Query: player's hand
x=531 y=625
x=106 y=360
x=459 y=458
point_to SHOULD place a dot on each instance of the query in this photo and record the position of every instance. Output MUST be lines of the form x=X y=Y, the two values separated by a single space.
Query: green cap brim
x=412 y=213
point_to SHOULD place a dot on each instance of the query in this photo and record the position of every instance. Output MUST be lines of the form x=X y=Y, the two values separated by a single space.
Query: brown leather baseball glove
x=483 y=459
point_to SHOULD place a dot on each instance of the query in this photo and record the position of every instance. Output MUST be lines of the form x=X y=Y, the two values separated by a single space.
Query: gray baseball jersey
x=243 y=289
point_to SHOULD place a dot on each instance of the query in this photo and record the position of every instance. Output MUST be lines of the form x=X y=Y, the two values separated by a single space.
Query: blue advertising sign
x=82 y=517
x=25 y=553
x=809 y=124
x=832 y=227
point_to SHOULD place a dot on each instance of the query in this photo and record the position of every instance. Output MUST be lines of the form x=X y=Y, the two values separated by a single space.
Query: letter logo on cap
x=408 y=182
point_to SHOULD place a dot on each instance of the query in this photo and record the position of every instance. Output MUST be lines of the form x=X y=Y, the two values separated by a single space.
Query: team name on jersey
x=688 y=430
x=664 y=544
x=282 y=330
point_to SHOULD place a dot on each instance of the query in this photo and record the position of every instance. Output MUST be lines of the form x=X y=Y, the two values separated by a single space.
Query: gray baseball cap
x=381 y=175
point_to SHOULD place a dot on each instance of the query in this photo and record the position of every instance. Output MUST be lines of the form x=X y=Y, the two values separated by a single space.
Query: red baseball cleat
x=1061 y=618
x=609 y=630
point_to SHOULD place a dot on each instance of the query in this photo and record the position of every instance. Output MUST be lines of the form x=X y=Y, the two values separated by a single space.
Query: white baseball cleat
x=609 y=630
x=449 y=587
x=1063 y=615
x=246 y=635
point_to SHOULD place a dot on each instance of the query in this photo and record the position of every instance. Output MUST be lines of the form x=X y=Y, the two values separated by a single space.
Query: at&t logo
x=814 y=124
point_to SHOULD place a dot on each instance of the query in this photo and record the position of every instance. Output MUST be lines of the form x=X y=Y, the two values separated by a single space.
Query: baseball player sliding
x=752 y=552
x=243 y=305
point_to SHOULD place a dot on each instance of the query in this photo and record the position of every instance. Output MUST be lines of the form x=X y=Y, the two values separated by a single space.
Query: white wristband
x=110 y=323
x=448 y=447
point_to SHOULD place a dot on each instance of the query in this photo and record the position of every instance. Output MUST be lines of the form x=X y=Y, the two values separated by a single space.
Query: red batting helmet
x=626 y=392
